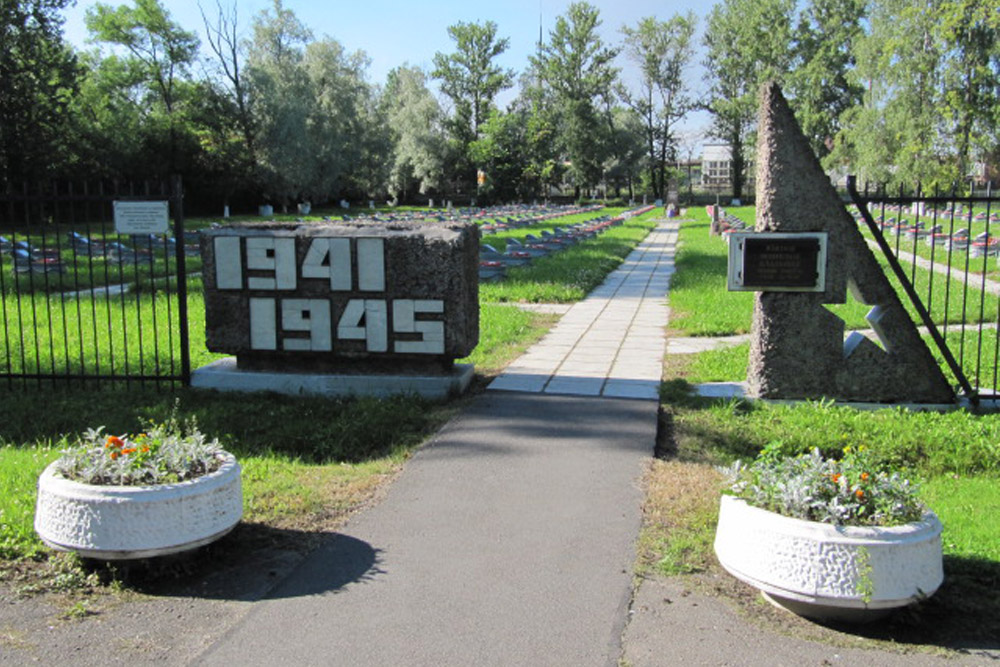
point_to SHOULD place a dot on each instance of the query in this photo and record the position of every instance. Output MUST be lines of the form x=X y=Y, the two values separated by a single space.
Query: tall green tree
x=662 y=50
x=627 y=155
x=159 y=53
x=748 y=42
x=282 y=102
x=894 y=137
x=38 y=79
x=579 y=68
x=969 y=33
x=471 y=78
x=418 y=142
x=821 y=86
x=538 y=107
x=501 y=154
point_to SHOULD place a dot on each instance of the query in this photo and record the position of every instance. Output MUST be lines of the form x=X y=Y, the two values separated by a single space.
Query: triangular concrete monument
x=797 y=347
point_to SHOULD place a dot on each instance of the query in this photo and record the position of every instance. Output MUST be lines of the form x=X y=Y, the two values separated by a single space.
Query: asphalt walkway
x=509 y=538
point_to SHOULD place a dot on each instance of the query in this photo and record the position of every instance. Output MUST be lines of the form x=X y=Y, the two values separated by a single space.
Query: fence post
x=177 y=204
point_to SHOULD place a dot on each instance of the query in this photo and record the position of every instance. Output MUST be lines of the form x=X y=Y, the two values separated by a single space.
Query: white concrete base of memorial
x=225 y=376
x=128 y=522
x=827 y=572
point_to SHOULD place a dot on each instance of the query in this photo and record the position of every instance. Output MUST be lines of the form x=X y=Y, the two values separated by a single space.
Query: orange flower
x=114 y=455
x=835 y=477
x=860 y=494
x=864 y=477
x=145 y=449
x=128 y=450
x=114 y=441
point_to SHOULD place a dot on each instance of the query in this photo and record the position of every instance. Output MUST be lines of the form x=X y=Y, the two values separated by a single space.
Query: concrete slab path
x=612 y=342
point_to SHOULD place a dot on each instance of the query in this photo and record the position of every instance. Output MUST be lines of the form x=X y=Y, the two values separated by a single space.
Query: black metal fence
x=83 y=303
x=943 y=249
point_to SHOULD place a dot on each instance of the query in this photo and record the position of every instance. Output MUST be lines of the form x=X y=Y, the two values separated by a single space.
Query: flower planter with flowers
x=161 y=492
x=830 y=540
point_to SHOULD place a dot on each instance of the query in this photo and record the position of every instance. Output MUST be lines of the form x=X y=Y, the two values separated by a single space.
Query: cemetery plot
x=75 y=262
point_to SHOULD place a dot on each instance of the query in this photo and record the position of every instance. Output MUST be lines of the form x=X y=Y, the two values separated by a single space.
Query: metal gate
x=950 y=246
x=84 y=304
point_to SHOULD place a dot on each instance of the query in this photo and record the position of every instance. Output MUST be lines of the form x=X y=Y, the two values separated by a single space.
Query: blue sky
x=393 y=33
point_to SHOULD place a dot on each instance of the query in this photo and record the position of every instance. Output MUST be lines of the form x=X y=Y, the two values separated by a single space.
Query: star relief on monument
x=876 y=334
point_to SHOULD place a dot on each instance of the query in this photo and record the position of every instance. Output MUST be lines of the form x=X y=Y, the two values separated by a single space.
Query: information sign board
x=142 y=217
x=764 y=261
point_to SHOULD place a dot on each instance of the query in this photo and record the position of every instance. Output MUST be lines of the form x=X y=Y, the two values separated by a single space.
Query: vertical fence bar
x=177 y=203
x=988 y=249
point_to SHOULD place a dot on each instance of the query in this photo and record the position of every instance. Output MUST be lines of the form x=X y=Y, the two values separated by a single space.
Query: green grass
x=280 y=440
x=954 y=457
x=722 y=365
x=304 y=458
x=969 y=509
x=101 y=336
x=570 y=274
x=504 y=332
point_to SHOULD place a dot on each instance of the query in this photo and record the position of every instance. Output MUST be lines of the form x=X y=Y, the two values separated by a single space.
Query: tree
x=894 y=137
x=502 y=155
x=159 y=52
x=578 y=67
x=38 y=79
x=821 y=87
x=472 y=80
x=418 y=142
x=662 y=50
x=282 y=102
x=538 y=107
x=628 y=155
x=226 y=44
x=748 y=42
x=969 y=32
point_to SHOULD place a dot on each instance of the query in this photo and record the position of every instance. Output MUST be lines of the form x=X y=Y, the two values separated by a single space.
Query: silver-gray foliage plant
x=852 y=491
x=165 y=453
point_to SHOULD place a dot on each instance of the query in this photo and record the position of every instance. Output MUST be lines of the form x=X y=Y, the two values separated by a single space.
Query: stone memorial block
x=798 y=347
x=342 y=297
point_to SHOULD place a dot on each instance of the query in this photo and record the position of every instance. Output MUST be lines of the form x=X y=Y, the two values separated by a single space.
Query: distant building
x=717 y=169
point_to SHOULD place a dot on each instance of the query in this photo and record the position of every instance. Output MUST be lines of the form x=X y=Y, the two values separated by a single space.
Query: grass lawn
x=955 y=458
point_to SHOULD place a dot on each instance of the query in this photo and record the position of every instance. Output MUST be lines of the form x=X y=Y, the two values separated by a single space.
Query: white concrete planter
x=125 y=522
x=826 y=572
